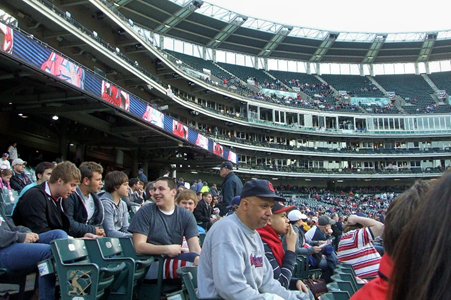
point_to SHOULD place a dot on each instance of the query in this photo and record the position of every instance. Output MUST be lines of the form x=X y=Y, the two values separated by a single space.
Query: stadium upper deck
x=313 y=137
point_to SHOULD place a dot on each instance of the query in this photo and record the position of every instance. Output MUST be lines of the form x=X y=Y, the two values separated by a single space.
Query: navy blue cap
x=235 y=201
x=260 y=188
x=227 y=165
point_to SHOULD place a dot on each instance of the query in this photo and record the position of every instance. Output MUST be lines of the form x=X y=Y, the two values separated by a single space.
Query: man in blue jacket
x=231 y=186
x=84 y=209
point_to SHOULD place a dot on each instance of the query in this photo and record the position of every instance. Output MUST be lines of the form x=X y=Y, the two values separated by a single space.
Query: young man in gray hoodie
x=115 y=222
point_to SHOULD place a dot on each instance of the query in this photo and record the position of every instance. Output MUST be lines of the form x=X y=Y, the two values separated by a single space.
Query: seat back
x=349 y=277
x=202 y=238
x=335 y=296
x=110 y=247
x=344 y=284
x=189 y=278
x=301 y=268
x=107 y=251
x=70 y=250
x=78 y=276
x=17 y=278
x=346 y=269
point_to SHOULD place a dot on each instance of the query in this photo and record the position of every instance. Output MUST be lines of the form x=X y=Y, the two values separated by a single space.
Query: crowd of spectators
x=82 y=210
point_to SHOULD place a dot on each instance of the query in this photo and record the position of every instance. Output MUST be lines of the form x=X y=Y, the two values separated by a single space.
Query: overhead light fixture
x=167 y=26
x=55 y=117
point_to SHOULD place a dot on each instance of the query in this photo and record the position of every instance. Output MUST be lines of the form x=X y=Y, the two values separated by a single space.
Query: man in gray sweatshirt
x=233 y=264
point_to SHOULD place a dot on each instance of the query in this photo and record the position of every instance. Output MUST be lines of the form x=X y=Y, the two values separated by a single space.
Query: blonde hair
x=67 y=171
x=186 y=195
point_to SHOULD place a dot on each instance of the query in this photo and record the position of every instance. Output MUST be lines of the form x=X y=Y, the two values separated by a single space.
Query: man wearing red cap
x=233 y=264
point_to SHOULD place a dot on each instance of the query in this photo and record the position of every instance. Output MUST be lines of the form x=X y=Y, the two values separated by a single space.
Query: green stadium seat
x=301 y=268
x=19 y=278
x=189 y=278
x=345 y=286
x=106 y=251
x=335 y=296
x=77 y=274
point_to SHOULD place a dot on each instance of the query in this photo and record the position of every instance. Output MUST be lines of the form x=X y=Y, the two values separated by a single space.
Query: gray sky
x=384 y=16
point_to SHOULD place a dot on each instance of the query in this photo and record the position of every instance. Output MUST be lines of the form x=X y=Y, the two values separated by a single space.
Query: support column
x=135 y=163
x=63 y=140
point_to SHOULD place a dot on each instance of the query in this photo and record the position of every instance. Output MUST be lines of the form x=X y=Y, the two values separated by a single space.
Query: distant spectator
x=4 y=162
x=19 y=179
x=356 y=246
x=231 y=185
x=233 y=205
x=12 y=150
x=136 y=192
x=142 y=176
x=214 y=190
x=6 y=175
x=205 y=188
x=199 y=186
x=149 y=191
x=43 y=171
x=337 y=229
x=203 y=212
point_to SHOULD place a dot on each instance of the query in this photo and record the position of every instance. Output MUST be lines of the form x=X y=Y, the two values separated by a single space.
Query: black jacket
x=37 y=210
x=202 y=213
x=19 y=181
x=78 y=214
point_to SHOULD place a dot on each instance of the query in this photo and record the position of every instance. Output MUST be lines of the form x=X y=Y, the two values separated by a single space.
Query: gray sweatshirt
x=233 y=265
x=9 y=233
x=115 y=222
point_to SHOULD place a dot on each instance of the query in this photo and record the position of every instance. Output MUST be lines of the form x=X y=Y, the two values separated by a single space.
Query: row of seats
x=344 y=286
x=345 y=283
x=401 y=84
x=106 y=268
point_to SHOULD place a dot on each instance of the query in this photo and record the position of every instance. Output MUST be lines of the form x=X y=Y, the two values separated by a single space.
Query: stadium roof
x=205 y=24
